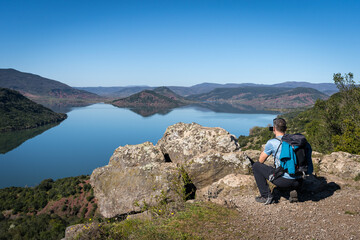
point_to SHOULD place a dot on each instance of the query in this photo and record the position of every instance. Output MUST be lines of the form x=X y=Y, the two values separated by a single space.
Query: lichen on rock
x=140 y=173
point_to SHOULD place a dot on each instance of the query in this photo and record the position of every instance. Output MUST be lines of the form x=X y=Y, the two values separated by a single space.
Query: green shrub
x=357 y=178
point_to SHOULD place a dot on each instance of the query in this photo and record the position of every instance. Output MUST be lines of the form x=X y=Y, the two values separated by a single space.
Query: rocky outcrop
x=135 y=175
x=143 y=174
x=228 y=188
x=190 y=157
x=182 y=142
x=341 y=164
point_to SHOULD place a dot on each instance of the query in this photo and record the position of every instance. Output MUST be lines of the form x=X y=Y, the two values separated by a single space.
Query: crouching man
x=262 y=172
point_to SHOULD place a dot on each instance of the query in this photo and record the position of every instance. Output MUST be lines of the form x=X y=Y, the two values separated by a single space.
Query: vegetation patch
x=196 y=221
x=331 y=125
x=357 y=178
x=44 y=211
x=18 y=112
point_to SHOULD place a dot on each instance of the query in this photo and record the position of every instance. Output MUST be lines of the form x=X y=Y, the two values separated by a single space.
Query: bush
x=89 y=198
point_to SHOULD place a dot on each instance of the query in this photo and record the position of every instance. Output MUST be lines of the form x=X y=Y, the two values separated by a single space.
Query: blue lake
x=89 y=136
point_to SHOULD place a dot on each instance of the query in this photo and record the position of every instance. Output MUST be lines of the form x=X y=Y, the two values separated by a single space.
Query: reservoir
x=88 y=137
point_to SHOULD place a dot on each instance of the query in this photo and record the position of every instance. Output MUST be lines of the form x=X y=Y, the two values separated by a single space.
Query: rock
x=253 y=154
x=228 y=188
x=72 y=232
x=206 y=154
x=134 y=176
x=211 y=166
x=139 y=174
x=136 y=155
x=182 y=142
x=342 y=164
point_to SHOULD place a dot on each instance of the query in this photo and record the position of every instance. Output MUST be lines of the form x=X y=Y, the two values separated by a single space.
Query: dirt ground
x=331 y=214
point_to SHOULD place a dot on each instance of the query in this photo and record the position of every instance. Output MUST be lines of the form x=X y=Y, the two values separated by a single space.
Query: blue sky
x=120 y=43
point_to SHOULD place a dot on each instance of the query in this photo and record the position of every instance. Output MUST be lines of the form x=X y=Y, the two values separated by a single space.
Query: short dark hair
x=280 y=124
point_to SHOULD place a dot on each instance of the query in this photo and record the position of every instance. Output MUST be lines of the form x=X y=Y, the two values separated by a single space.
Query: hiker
x=263 y=172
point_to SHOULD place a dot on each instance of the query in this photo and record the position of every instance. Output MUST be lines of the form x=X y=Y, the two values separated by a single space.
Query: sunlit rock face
x=138 y=174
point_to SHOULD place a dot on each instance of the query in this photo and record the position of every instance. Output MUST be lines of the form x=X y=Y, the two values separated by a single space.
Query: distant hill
x=122 y=92
x=263 y=97
x=164 y=91
x=18 y=112
x=43 y=90
x=158 y=98
x=207 y=87
x=115 y=92
x=327 y=88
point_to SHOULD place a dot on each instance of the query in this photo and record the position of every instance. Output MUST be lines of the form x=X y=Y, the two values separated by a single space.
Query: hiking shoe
x=293 y=196
x=260 y=199
x=263 y=200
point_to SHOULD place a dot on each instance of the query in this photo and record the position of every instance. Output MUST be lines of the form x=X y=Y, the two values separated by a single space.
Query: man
x=262 y=171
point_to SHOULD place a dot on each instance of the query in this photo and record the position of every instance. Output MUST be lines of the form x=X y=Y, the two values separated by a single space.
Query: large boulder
x=135 y=175
x=136 y=155
x=209 y=167
x=139 y=174
x=182 y=142
x=228 y=189
x=206 y=154
x=341 y=164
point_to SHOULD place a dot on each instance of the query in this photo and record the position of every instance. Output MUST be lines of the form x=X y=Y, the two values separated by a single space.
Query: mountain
x=149 y=98
x=122 y=92
x=18 y=112
x=128 y=91
x=207 y=87
x=43 y=90
x=164 y=91
x=327 y=88
x=261 y=98
x=118 y=92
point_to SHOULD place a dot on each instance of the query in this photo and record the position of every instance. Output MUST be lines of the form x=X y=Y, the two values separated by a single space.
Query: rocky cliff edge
x=191 y=161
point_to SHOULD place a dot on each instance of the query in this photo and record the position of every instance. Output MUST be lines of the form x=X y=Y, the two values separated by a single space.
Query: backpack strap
x=277 y=150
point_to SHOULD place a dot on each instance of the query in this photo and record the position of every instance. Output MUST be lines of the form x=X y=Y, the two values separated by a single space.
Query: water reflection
x=217 y=107
x=149 y=111
x=231 y=107
x=13 y=139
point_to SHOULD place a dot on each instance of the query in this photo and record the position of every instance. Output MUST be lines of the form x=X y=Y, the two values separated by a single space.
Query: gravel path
x=335 y=216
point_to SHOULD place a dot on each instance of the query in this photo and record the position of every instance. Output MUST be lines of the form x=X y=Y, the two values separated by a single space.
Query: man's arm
x=263 y=157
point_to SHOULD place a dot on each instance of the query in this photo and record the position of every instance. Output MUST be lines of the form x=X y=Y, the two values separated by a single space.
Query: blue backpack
x=295 y=155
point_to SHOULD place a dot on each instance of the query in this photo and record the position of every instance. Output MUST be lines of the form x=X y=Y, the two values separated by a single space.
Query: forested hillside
x=43 y=90
x=331 y=125
x=44 y=211
x=17 y=112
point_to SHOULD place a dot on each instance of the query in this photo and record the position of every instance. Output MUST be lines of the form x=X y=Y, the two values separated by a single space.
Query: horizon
x=180 y=43
x=153 y=86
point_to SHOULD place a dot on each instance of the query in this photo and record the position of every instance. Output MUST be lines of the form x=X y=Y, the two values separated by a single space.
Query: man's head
x=279 y=125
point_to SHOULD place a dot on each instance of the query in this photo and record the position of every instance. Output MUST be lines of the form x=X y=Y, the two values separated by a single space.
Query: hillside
x=122 y=92
x=17 y=112
x=164 y=91
x=330 y=125
x=115 y=92
x=263 y=97
x=327 y=88
x=43 y=90
x=44 y=211
x=149 y=98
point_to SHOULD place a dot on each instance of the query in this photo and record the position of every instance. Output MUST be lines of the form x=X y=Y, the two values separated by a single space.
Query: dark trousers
x=262 y=173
